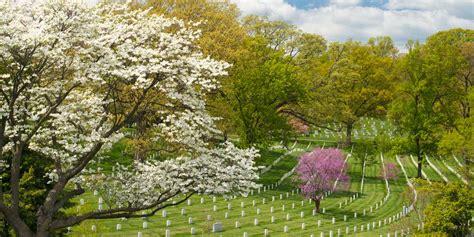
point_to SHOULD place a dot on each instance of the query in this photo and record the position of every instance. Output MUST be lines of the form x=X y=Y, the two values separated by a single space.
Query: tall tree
x=350 y=81
x=455 y=48
x=221 y=37
x=64 y=68
x=433 y=96
x=263 y=83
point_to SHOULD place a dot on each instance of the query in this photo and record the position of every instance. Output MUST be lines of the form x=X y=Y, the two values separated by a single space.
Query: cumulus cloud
x=344 y=19
x=459 y=8
x=344 y=3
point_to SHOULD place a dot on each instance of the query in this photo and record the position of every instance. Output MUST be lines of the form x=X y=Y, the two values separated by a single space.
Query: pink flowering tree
x=320 y=171
x=390 y=171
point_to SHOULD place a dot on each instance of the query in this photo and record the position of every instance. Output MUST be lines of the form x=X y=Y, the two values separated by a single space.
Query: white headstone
x=285 y=229
x=183 y=211
x=253 y=202
x=226 y=215
x=345 y=218
x=334 y=220
x=217 y=227
x=168 y=223
x=302 y=214
x=190 y=220
x=293 y=206
x=242 y=205
x=213 y=199
x=271 y=209
x=265 y=232
x=355 y=214
x=167 y=233
x=193 y=231
x=139 y=234
x=202 y=200
x=81 y=201
x=119 y=226
x=145 y=225
x=242 y=213
x=246 y=234
x=189 y=202
x=319 y=223
x=303 y=226
x=287 y=216
x=255 y=221
x=324 y=210
x=214 y=208
x=237 y=224
x=164 y=213
x=93 y=228
x=273 y=219
x=314 y=212
x=258 y=211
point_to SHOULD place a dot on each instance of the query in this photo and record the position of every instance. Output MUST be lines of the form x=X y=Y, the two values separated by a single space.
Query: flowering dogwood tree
x=72 y=77
x=317 y=172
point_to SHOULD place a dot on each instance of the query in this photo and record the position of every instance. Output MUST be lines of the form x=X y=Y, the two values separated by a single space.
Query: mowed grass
x=444 y=170
x=374 y=191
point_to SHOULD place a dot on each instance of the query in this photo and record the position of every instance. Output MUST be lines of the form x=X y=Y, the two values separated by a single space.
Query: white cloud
x=344 y=3
x=459 y=8
x=397 y=19
x=274 y=9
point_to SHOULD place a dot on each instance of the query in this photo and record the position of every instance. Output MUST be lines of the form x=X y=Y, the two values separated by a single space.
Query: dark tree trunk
x=317 y=204
x=419 y=156
x=349 y=127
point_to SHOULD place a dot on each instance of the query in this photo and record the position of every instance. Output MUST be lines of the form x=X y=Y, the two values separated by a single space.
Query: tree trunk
x=140 y=150
x=419 y=156
x=349 y=127
x=317 y=203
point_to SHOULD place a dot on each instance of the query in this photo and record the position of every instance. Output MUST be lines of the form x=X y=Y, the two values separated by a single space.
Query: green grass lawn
x=374 y=191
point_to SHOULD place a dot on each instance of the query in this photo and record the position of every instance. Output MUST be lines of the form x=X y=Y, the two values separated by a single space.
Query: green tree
x=456 y=48
x=349 y=81
x=414 y=109
x=433 y=100
x=450 y=209
x=264 y=83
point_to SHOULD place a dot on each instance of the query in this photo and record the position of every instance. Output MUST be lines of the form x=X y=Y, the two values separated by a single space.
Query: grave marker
x=217 y=227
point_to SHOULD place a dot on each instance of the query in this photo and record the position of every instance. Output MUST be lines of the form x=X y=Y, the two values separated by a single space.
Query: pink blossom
x=390 y=171
x=318 y=172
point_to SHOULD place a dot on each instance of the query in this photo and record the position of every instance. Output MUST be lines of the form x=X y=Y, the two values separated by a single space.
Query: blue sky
x=339 y=20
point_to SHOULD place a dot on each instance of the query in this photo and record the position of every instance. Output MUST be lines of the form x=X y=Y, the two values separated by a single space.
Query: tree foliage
x=263 y=84
x=450 y=208
x=64 y=70
x=350 y=81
